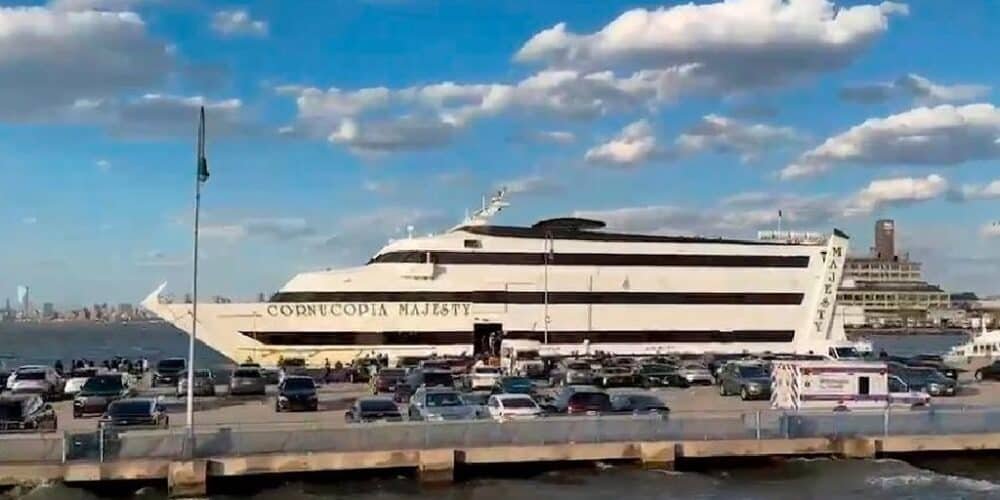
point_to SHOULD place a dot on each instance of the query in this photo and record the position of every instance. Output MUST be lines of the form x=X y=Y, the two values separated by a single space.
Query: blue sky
x=334 y=125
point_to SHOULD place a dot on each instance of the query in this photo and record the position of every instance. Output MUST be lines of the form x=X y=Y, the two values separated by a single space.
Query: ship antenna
x=482 y=216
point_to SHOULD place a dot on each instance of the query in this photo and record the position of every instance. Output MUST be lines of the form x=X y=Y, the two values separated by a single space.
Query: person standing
x=326 y=371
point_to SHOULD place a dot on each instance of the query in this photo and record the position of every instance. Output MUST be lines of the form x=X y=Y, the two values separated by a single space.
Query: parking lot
x=335 y=399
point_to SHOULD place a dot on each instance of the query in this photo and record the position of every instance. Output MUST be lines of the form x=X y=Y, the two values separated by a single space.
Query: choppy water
x=966 y=478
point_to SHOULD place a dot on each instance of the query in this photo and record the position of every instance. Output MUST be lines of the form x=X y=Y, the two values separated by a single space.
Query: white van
x=839 y=386
x=521 y=358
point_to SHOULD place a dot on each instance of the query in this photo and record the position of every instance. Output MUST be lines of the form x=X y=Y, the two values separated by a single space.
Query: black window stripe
x=285 y=338
x=505 y=297
x=593 y=259
x=542 y=233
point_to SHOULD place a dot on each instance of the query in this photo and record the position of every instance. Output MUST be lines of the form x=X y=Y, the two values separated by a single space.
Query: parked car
x=430 y=377
x=204 y=384
x=402 y=393
x=936 y=362
x=26 y=412
x=696 y=374
x=477 y=400
x=168 y=371
x=387 y=379
x=41 y=380
x=660 y=375
x=297 y=393
x=135 y=412
x=373 y=409
x=247 y=381
x=77 y=378
x=615 y=376
x=638 y=404
x=98 y=392
x=514 y=385
x=927 y=380
x=4 y=373
x=573 y=372
x=749 y=380
x=988 y=372
x=483 y=377
x=512 y=407
x=439 y=403
x=575 y=400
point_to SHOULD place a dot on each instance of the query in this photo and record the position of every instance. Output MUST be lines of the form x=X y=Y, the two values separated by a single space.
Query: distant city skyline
x=333 y=126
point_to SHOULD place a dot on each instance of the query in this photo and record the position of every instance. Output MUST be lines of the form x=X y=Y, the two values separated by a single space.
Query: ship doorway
x=486 y=338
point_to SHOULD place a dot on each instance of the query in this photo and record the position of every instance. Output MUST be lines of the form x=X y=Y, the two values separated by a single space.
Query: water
x=796 y=479
x=793 y=479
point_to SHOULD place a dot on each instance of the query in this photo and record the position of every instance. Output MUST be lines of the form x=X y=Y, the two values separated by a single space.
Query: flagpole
x=194 y=295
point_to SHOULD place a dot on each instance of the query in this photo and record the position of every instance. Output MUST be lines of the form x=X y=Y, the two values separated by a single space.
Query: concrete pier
x=188 y=478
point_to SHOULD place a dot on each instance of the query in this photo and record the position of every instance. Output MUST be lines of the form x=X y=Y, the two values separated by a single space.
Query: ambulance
x=840 y=386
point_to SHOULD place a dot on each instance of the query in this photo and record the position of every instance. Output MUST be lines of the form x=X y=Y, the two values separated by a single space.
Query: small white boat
x=980 y=349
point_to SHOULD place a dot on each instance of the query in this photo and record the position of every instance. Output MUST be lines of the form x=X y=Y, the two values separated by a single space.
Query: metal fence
x=250 y=439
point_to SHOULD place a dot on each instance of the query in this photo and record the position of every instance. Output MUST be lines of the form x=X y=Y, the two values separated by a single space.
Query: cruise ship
x=566 y=284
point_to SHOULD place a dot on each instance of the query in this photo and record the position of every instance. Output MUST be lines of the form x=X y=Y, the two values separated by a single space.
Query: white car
x=77 y=378
x=13 y=375
x=696 y=374
x=513 y=407
x=483 y=377
x=42 y=380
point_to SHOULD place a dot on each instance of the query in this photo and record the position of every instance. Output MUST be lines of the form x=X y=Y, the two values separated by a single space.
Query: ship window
x=473 y=244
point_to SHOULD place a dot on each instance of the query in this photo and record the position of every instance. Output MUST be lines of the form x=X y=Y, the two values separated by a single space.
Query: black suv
x=98 y=392
x=297 y=393
x=26 y=412
x=169 y=371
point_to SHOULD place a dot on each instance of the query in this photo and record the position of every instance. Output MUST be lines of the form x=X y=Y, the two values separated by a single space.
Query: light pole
x=200 y=178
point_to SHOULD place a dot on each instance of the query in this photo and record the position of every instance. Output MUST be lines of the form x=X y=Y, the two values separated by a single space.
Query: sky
x=333 y=126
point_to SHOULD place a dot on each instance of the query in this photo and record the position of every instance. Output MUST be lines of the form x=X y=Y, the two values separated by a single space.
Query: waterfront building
x=884 y=289
x=48 y=310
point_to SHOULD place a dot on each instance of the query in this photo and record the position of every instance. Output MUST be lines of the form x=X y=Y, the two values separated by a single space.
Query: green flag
x=202 y=161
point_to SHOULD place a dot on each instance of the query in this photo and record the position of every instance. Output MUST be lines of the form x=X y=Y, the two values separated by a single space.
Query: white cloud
x=159 y=115
x=916 y=87
x=942 y=135
x=531 y=185
x=276 y=228
x=103 y=165
x=560 y=137
x=158 y=258
x=737 y=43
x=726 y=135
x=636 y=143
x=991 y=230
x=979 y=191
x=406 y=133
x=108 y=5
x=649 y=219
x=237 y=23
x=378 y=187
x=898 y=191
x=93 y=55
x=29 y=221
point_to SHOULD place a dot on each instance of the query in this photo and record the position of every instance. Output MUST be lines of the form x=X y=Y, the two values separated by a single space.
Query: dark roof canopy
x=569 y=224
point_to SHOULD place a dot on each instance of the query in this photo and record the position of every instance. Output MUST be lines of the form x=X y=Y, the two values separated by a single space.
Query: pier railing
x=262 y=438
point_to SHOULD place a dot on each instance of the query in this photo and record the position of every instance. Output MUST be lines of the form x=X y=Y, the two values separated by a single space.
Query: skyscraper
x=48 y=310
x=885 y=239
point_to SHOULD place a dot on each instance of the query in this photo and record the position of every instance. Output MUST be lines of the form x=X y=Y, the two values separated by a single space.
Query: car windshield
x=578 y=366
x=378 y=405
x=691 y=366
x=123 y=408
x=39 y=375
x=753 y=372
x=655 y=368
x=10 y=410
x=487 y=370
x=437 y=399
x=299 y=384
x=170 y=364
x=589 y=398
x=392 y=373
x=202 y=374
x=247 y=373
x=83 y=372
x=615 y=370
x=476 y=398
x=518 y=403
x=527 y=355
x=846 y=352
x=103 y=383
x=643 y=400
x=432 y=379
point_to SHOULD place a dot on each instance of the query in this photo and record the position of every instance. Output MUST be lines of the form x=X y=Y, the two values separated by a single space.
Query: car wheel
x=77 y=414
x=979 y=375
x=744 y=395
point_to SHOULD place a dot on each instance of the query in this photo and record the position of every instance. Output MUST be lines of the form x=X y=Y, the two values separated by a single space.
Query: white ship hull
x=444 y=295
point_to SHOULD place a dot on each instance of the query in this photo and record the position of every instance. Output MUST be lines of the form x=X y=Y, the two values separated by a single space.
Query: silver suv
x=438 y=404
